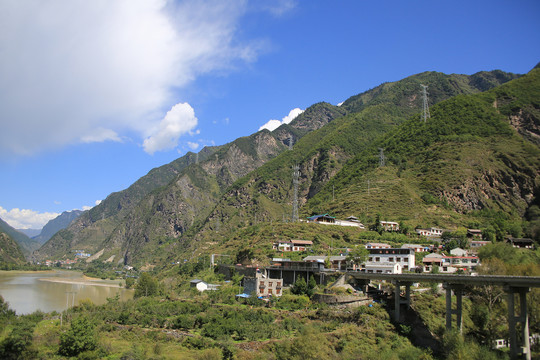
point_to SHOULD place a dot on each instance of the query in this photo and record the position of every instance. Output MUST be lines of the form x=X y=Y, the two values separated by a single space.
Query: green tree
x=130 y=282
x=79 y=338
x=358 y=255
x=299 y=287
x=146 y=286
x=18 y=344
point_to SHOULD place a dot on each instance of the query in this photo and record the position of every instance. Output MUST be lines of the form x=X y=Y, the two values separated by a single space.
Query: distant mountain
x=62 y=221
x=31 y=233
x=10 y=252
x=27 y=245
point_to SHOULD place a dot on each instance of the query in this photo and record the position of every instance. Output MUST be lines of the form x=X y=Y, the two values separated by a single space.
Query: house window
x=278 y=291
x=370 y=258
x=269 y=291
x=270 y=283
x=398 y=259
x=262 y=283
x=391 y=259
x=377 y=259
x=278 y=284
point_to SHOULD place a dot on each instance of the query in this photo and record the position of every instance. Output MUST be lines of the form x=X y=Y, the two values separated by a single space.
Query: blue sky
x=97 y=93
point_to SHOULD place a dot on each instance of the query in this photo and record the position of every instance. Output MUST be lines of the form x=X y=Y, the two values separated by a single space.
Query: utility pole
x=333 y=194
x=296 y=176
x=425 y=105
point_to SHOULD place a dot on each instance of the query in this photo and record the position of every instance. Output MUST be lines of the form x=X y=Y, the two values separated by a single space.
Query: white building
x=381 y=268
x=390 y=225
x=431 y=232
x=203 y=285
x=415 y=247
x=374 y=245
x=293 y=245
x=404 y=257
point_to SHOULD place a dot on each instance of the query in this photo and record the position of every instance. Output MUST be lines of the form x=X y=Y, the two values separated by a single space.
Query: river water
x=47 y=291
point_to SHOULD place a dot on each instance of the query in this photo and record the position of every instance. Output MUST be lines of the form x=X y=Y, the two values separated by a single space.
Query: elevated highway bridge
x=512 y=285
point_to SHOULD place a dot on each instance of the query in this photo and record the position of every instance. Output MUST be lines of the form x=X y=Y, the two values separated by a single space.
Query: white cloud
x=25 y=218
x=101 y=135
x=90 y=71
x=274 y=124
x=193 y=145
x=178 y=121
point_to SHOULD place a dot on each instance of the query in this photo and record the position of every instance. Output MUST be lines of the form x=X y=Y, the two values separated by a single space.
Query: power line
x=381 y=157
x=296 y=176
x=425 y=105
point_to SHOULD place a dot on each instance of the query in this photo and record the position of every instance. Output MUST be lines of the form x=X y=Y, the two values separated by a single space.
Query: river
x=28 y=291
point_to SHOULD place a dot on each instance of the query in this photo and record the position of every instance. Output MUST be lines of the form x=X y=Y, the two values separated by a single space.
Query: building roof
x=413 y=246
x=302 y=242
x=324 y=216
x=379 y=244
x=322 y=258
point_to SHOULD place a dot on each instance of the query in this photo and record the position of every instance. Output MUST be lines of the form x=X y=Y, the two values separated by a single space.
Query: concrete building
x=416 y=247
x=338 y=262
x=381 y=267
x=263 y=286
x=293 y=245
x=202 y=285
x=390 y=225
x=431 y=232
x=374 y=245
x=404 y=257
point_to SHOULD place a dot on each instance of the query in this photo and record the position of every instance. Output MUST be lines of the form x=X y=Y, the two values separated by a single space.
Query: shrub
x=79 y=338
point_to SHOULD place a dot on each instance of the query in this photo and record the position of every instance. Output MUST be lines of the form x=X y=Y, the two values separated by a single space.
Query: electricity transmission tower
x=381 y=157
x=290 y=142
x=296 y=176
x=425 y=106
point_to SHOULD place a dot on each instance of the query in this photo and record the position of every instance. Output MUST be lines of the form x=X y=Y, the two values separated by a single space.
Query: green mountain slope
x=26 y=244
x=10 y=252
x=476 y=153
x=266 y=194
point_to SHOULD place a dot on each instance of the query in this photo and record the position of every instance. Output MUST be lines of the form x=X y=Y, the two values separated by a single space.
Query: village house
x=389 y=225
x=404 y=257
x=374 y=245
x=458 y=252
x=372 y=267
x=474 y=233
x=522 y=243
x=431 y=232
x=416 y=247
x=451 y=264
x=431 y=260
x=293 y=245
x=336 y=262
x=322 y=219
x=476 y=244
x=326 y=219
x=202 y=285
x=263 y=286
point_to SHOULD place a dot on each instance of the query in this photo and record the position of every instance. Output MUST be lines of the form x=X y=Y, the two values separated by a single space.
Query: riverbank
x=85 y=280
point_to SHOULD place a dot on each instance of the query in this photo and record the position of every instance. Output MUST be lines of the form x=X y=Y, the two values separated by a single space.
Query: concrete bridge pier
x=458 y=291
x=522 y=345
x=397 y=297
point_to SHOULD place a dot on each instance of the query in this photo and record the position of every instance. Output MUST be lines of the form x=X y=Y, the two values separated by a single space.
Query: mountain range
x=478 y=152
